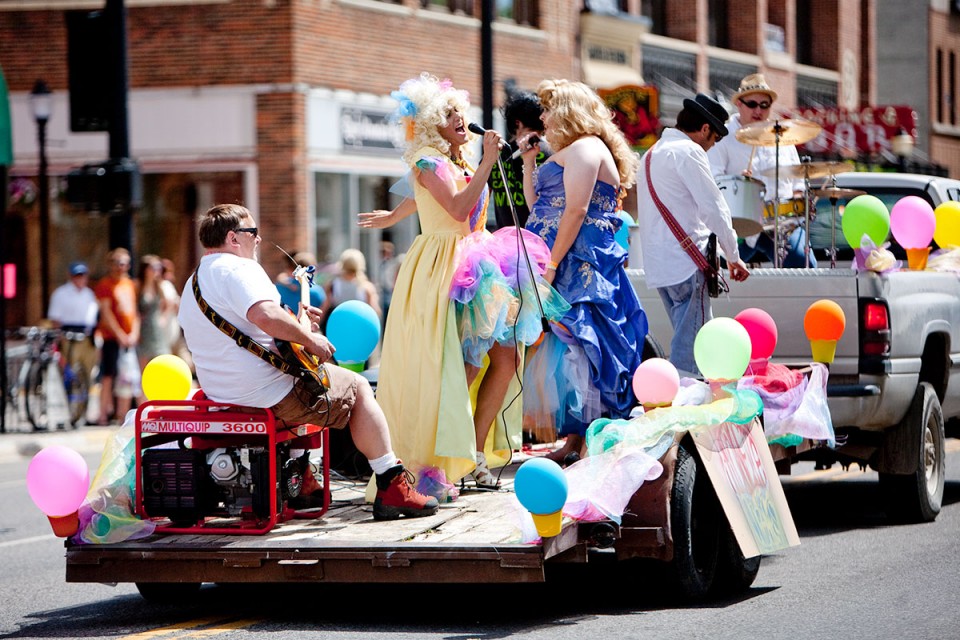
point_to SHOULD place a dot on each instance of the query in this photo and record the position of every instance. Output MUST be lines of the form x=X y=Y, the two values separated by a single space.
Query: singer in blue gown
x=583 y=370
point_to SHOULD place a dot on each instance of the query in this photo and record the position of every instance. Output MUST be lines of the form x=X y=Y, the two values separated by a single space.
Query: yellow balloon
x=947 y=232
x=167 y=377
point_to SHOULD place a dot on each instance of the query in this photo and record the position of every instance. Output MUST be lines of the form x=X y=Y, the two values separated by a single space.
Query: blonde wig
x=425 y=104
x=577 y=111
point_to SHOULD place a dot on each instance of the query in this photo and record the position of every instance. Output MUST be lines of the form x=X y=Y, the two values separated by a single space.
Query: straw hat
x=754 y=83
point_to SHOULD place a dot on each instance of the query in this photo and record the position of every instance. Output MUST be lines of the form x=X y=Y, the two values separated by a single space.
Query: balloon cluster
x=542 y=489
x=912 y=222
x=354 y=329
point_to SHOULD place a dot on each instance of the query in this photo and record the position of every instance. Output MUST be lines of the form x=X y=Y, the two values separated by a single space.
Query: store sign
x=866 y=130
x=636 y=111
x=370 y=131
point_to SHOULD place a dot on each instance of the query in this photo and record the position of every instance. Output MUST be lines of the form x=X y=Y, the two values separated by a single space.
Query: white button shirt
x=730 y=157
x=681 y=176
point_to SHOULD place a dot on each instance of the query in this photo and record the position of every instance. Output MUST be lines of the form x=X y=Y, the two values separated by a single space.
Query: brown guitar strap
x=243 y=340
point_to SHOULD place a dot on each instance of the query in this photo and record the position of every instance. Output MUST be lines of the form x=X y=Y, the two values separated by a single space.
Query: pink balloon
x=912 y=222
x=762 y=330
x=57 y=480
x=656 y=381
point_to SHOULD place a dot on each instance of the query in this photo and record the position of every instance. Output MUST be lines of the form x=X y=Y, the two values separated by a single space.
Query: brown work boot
x=396 y=497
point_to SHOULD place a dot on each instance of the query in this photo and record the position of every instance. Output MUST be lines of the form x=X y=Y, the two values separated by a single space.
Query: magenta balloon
x=762 y=330
x=656 y=381
x=57 y=480
x=912 y=222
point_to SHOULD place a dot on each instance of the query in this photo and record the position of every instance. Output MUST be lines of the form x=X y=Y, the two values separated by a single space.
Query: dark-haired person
x=233 y=283
x=521 y=113
x=680 y=174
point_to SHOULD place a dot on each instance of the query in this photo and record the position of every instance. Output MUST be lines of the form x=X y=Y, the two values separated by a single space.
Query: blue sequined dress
x=583 y=369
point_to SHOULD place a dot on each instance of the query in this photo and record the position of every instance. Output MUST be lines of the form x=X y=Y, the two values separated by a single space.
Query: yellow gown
x=422 y=385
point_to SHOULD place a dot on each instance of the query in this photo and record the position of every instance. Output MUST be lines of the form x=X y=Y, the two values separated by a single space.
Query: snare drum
x=744 y=196
x=788 y=208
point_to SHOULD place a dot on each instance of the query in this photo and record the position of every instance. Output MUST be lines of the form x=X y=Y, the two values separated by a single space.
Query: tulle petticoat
x=495 y=297
x=559 y=393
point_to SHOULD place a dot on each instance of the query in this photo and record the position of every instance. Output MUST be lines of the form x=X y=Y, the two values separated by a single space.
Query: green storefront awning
x=6 y=131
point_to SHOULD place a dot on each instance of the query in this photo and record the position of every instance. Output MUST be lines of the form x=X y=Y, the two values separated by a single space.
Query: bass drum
x=744 y=196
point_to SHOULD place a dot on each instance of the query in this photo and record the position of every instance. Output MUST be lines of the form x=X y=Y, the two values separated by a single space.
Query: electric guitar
x=306 y=366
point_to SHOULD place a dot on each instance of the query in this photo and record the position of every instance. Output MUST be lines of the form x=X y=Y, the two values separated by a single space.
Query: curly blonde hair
x=577 y=111
x=425 y=104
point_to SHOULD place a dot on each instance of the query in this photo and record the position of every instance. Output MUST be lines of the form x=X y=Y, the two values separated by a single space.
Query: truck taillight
x=874 y=328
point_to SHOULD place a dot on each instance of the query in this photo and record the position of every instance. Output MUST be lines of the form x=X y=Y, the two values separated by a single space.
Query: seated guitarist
x=232 y=283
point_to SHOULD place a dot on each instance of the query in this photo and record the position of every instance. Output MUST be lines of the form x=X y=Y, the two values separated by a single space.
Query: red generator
x=210 y=467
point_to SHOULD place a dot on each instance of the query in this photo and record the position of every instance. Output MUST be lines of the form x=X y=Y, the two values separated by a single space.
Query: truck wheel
x=168 y=592
x=651 y=348
x=917 y=496
x=734 y=572
x=695 y=519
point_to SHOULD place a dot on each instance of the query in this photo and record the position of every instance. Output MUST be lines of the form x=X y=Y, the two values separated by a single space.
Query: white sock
x=383 y=463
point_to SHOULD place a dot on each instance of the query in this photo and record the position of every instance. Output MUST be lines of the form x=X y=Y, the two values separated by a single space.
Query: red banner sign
x=866 y=130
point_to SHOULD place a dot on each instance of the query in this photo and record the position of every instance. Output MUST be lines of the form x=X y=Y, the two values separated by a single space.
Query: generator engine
x=187 y=485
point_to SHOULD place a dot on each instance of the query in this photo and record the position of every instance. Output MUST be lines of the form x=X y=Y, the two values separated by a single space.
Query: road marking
x=31 y=540
x=191 y=629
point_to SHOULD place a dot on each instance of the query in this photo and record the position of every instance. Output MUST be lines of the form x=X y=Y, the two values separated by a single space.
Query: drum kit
x=746 y=195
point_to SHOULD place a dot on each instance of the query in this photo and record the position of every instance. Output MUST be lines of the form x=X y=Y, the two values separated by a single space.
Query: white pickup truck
x=896 y=376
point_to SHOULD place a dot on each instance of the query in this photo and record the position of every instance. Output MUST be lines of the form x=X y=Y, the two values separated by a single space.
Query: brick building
x=282 y=104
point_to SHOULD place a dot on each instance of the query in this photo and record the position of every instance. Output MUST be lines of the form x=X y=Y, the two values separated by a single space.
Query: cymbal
x=789 y=132
x=809 y=170
x=836 y=192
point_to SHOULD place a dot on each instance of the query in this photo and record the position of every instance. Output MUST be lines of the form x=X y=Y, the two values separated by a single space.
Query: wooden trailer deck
x=475 y=536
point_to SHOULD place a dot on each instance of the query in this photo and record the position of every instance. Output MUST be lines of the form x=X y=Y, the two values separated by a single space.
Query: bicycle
x=41 y=382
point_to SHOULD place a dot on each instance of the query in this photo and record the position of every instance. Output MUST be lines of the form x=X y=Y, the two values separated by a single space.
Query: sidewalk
x=20 y=443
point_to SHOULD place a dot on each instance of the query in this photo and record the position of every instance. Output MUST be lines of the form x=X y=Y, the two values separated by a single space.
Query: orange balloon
x=824 y=320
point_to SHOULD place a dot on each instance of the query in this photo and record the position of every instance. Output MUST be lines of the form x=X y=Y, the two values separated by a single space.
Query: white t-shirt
x=231 y=285
x=74 y=307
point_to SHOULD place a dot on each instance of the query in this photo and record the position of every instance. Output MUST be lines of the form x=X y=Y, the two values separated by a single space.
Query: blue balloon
x=354 y=329
x=541 y=486
x=622 y=236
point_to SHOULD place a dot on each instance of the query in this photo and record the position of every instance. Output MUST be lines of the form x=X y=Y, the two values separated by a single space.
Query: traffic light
x=89 y=49
x=113 y=186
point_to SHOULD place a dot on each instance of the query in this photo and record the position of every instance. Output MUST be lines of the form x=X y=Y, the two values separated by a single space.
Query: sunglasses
x=753 y=104
x=252 y=230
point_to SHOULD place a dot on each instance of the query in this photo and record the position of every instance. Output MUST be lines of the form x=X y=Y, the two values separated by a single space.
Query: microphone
x=532 y=140
x=477 y=129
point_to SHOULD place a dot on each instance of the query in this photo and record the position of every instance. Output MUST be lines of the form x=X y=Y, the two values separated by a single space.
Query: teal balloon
x=622 y=236
x=354 y=329
x=541 y=486
x=722 y=349
x=868 y=215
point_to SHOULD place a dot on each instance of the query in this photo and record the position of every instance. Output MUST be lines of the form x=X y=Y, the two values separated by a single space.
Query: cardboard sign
x=741 y=468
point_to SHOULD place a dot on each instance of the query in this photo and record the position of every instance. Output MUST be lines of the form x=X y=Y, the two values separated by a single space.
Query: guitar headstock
x=304 y=275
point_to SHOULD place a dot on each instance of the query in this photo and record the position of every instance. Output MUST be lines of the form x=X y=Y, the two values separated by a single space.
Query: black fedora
x=710 y=109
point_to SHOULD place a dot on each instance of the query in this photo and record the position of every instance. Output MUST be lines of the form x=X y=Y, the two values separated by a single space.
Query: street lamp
x=41 y=104
x=902 y=145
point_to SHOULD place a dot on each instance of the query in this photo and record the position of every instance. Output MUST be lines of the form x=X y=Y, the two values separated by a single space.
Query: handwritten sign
x=743 y=474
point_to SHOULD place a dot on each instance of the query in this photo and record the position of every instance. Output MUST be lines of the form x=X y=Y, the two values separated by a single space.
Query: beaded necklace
x=460 y=162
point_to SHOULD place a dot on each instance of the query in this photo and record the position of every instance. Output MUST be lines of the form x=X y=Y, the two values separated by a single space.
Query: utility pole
x=486 y=62
x=121 y=224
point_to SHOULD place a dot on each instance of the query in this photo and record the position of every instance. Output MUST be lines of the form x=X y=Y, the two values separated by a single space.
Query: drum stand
x=777 y=132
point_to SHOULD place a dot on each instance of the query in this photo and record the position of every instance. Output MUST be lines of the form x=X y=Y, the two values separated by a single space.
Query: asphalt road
x=854 y=575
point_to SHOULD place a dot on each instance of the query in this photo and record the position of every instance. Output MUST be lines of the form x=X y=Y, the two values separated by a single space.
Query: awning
x=6 y=131
x=603 y=75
